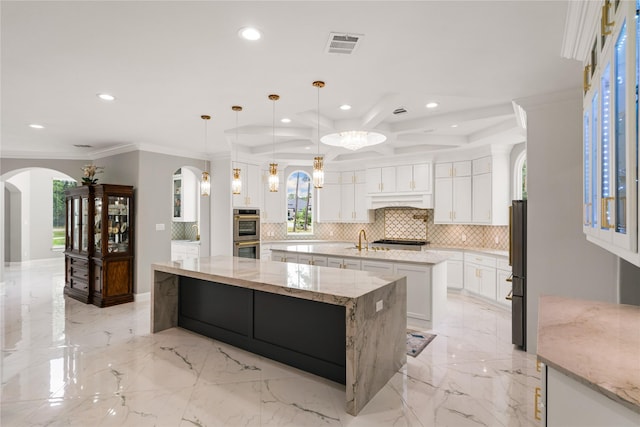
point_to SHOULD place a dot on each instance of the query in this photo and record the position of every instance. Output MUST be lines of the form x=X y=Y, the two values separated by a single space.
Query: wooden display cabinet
x=99 y=244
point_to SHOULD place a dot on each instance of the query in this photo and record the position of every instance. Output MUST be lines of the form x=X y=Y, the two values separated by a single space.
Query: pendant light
x=205 y=182
x=236 y=183
x=274 y=181
x=318 y=161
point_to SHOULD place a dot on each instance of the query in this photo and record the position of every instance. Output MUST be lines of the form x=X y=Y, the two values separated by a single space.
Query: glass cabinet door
x=118 y=223
x=620 y=172
x=84 y=241
x=76 y=224
x=97 y=224
x=177 y=197
x=606 y=199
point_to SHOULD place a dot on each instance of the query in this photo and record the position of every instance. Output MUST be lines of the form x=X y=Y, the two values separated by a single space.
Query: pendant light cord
x=274 y=131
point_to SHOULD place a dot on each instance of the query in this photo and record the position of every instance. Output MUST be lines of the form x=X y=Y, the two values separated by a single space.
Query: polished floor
x=65 y=363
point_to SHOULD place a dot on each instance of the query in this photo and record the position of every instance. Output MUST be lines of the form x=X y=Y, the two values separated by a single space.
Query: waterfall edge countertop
x=595 y=343
x=347 y=250
x=318 y=283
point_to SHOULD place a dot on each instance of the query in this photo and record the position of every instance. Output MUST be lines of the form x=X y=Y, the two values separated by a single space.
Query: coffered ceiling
x=167 y=63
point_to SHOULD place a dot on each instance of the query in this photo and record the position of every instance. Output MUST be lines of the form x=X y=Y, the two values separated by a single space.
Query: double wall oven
x=246 y=233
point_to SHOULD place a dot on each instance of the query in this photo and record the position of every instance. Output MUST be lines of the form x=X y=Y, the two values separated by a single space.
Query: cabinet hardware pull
x=247 y=216
x=604 y=221
x=536 y=403
x=509 y=279
x=585 y=79
x=253 y=242
x=604 y=21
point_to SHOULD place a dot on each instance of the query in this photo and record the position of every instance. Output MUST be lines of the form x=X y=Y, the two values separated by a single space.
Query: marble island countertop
x=332 y=285
x=350 y=251
x=595 y=343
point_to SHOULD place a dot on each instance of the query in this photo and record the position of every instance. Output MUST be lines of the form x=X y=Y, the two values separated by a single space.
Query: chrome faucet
x=362 y=233
x=197 y=231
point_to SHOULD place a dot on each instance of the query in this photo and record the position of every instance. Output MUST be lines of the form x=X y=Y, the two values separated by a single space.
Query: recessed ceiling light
x=345 y=107
x=454 y=126
x=307 y=148
x=432 y=105
x=106 y=97
x=249 y=33
x=36 y=126
x=285 y=120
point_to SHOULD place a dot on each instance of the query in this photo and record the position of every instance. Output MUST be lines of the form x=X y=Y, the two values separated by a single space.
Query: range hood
x=420 y=201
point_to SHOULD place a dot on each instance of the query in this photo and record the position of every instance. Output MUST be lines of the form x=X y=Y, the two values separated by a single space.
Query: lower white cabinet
x=184 y=250
x=455 y=270
x=345 y=263
x=480 y=276
x=569 y=403
x=377 y=266
x=284 y=256
x=312 y=260
x=418 y=290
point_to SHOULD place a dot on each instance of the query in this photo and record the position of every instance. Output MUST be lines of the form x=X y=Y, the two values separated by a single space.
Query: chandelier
x=354 y=139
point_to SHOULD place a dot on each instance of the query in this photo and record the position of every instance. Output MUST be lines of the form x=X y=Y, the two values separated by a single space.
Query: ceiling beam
x=429 y=139
x=380 y=111
x=504 y=126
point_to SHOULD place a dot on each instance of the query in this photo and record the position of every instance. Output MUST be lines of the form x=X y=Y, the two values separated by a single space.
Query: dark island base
x=308 y=335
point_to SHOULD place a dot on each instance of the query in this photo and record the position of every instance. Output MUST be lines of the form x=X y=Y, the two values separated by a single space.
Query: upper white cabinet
x=453 y=193
x=251 y=181
x=414 y=178
x=328 y=198
x=185 y=196
x=273 y=203
x=490 y=185
x=381 y=180
x=342 y=199
x=610 y=132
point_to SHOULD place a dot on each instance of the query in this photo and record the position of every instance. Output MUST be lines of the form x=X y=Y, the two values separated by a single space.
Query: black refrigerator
x=518 y=262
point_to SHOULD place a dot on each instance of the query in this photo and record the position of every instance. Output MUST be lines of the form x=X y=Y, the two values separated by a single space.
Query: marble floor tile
x=64 y=363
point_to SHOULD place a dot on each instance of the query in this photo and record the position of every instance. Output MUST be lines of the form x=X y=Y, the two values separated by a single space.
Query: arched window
x=520 y=177
x=299 y=203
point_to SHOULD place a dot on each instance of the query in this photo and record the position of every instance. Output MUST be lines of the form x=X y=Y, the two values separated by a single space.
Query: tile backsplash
x=401 y=223
x=183 y=231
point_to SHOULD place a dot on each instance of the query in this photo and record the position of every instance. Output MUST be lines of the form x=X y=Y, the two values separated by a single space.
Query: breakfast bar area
x=345 y=325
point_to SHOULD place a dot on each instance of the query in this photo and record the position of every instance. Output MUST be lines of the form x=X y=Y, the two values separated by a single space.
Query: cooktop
x=402 y=242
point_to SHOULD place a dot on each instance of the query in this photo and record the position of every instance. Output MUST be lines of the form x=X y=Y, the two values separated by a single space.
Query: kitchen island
x=426 y=272
x=349 y=326
x=591 y=350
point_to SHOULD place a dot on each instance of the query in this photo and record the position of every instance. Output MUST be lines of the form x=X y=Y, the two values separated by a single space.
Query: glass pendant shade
x=353 y=139
x=274 y=181
x=318 y=172
x=205 y=184
x=236 y=183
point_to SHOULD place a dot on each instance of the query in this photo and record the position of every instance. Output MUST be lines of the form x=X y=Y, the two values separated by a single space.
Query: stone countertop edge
x=595 y=343
x=338 y=286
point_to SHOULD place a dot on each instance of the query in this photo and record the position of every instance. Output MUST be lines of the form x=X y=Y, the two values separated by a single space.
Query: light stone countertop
x=595 y=343
x=332 y=285
x=347 y=250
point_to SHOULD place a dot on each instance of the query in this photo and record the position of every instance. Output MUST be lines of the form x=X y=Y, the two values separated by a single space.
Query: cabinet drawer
x=455 y=256
x=79 y=273
x=79 y=263
x=80 y=285
x=192 y=250
x=485 y=260
x=503 y=264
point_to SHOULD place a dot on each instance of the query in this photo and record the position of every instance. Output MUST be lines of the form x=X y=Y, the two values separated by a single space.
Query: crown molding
x=579 y=28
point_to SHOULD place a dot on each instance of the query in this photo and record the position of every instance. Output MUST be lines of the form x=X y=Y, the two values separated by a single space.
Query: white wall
x=560 y=260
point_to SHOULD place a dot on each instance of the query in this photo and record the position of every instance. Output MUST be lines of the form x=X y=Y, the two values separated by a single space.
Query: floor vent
x=343 y=43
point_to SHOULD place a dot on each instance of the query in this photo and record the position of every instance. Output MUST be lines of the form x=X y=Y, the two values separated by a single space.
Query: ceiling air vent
x=400 y=110
x=343 y=43
x=82 y=145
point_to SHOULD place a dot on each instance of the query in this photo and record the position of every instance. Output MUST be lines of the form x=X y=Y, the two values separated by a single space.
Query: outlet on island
x=378 y=305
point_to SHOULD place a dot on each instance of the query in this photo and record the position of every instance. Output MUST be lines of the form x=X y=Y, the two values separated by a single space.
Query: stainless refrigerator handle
x=509 y=297
x=509 y=279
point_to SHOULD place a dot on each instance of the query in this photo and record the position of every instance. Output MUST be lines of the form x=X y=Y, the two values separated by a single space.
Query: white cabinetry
x=453 y=193
x=185 y=196
x=329 y=198
x=353 y=207
x=455 y=270
x=419 y=290
x=491 y=190
x=610 y=132
x=480 y=275
x=312 y=260
x=414 y=178
x=284 y=256
x=569 y=403
x=273 y=203
x=345 y=263
x=184 y=250
x=381 y=180
x=503 y=281
x=251 y=180
x=377 y=266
